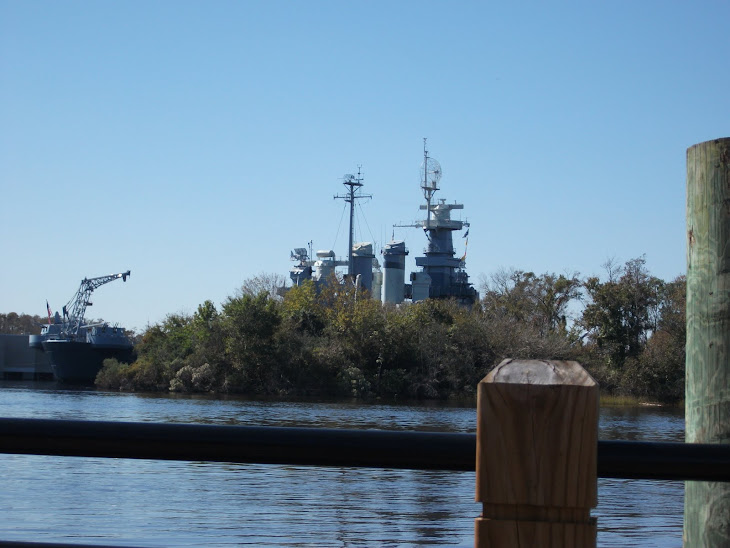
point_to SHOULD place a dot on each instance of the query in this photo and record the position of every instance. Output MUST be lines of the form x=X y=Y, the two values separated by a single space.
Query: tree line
x=13 y=323
x=626 y=328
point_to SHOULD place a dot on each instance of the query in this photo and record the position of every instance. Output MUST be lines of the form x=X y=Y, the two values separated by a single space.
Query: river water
x=164 y=503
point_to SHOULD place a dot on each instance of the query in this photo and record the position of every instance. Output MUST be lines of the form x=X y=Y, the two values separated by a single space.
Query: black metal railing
x=327 y=447
x=332 y=447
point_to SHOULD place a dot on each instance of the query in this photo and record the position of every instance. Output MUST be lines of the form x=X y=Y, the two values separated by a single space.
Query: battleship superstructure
x=363 y=268
x=442 y=275
x=77 y=350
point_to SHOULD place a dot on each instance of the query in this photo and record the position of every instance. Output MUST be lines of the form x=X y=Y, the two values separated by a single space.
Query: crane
x=74 y=310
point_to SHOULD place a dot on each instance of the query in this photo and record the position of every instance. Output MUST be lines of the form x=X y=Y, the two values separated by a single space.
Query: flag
x=463 y=257
x=48 y=307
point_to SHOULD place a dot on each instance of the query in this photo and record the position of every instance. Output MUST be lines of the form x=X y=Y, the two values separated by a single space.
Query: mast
x=426 y=192
x=353 y=184
x=430 y=168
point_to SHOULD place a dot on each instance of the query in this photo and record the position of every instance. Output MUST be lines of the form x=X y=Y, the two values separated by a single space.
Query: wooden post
x=537 y=439
x=707 y=388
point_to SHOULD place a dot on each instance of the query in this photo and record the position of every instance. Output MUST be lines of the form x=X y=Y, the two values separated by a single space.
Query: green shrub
x=113 y=375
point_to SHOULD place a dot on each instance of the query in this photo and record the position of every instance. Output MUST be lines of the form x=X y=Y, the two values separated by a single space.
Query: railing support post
x=707 y=388
x=537 y=438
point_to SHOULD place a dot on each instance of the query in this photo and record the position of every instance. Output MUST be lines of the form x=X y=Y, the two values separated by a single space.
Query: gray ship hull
x=79 y=362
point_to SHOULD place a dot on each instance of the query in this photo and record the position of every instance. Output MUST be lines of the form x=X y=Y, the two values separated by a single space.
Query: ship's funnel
x=362 y=264
x=394 y=271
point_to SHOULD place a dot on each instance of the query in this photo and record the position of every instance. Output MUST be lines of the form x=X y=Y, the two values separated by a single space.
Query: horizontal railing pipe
x=241 y=444
x=333 y=447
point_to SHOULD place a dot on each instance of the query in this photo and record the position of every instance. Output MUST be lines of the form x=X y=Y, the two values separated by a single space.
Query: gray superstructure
x=363 y=268
x=442 y=274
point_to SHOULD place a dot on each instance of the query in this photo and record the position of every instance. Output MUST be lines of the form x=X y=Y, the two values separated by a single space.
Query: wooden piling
x=537 y=436
x=707 y=389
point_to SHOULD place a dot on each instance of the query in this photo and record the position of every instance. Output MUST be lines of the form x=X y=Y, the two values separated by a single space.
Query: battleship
x=76 y=349
x=442 y=275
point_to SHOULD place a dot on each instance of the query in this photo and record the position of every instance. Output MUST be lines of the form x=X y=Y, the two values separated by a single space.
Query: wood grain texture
x=707 y=388
x=532 y=534
x=537 y=438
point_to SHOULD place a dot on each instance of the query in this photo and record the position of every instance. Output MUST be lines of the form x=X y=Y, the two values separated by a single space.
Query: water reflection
x=152 y=503
x=649 y=423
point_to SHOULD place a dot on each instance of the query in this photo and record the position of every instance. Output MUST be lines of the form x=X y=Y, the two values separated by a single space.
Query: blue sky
x=197 y=143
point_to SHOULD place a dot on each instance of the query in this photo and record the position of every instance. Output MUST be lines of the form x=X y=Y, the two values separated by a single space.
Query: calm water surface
x=149 y=503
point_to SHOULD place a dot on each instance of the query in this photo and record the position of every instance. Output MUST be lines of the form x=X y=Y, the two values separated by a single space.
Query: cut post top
x=544 y=372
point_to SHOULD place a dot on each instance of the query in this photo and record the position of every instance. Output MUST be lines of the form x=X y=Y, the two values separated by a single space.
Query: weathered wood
x=707 y=392
x=537 y=436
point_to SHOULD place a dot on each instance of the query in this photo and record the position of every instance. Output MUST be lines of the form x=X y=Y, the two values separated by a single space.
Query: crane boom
x=73 y=312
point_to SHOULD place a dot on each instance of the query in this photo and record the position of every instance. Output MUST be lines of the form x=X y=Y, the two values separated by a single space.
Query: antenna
x=353 y=184
x=430 y=177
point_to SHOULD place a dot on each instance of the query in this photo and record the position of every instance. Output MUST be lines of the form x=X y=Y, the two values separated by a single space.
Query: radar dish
x=430 y=174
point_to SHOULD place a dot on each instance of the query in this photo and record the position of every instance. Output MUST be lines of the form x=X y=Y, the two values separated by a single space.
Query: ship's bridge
x=440 y=216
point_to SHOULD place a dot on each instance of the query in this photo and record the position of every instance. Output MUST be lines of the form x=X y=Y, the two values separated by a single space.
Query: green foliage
x=21 y=324
x=659 y=371
x=539 y=301
x=249 y=326
x=527 y=315
x=302 y=311
x=147 y=375
x=113 y=375
x=622 y=311
x=351 y=381
x=339 y=341
x=170 y=340
x=193 y=379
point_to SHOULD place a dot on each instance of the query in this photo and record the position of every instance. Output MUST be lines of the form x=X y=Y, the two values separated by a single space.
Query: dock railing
x=333 y=447
x=409 y=450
